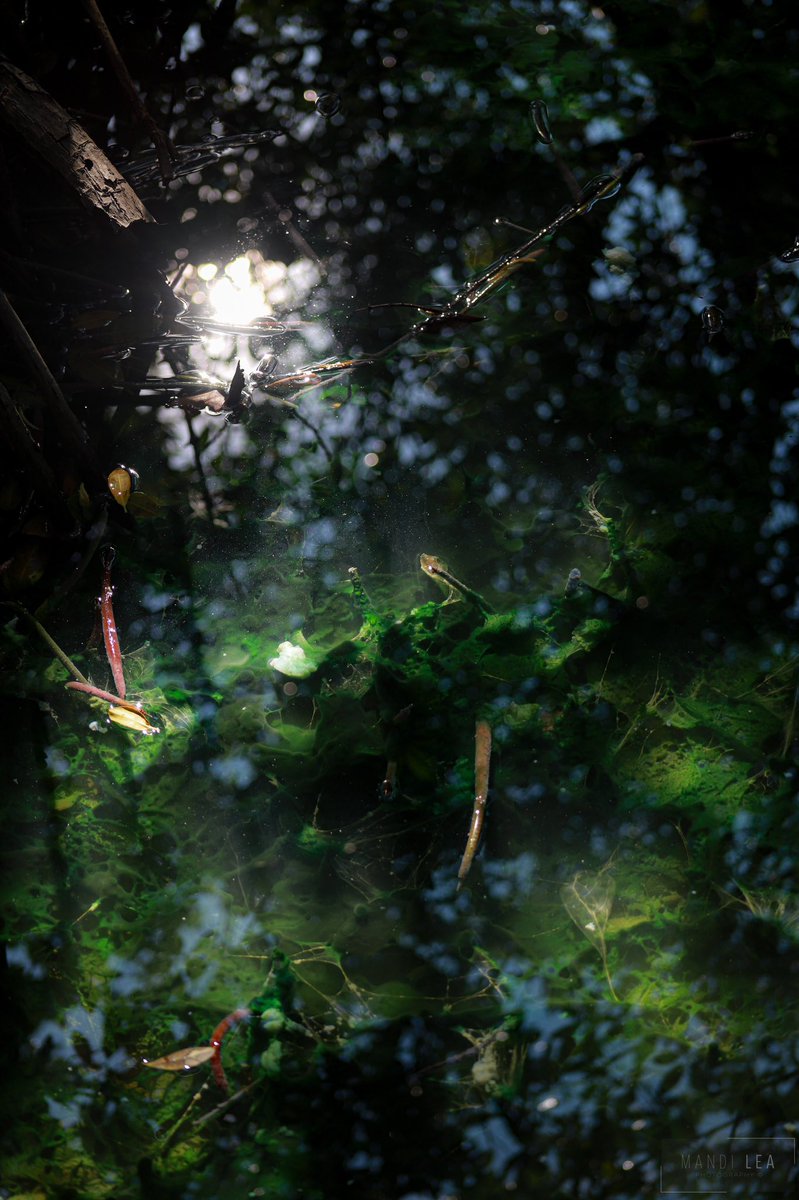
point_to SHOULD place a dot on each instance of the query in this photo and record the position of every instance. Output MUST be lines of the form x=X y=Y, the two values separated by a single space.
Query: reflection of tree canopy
x=399 y=191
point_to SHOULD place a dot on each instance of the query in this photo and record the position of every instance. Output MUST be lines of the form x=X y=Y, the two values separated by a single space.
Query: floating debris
x=573 y=583
x=487 y=281
x=258 y=327
x=792 y=255
x=122 y=483
x=189 y=382
x=482 y=766
x=327 y=104
x=439 y=316
x=712 y=320
x=740 y=135
x=133 y=719
x=144 y=168
x=291 y=660
x=238 y=395
x=181 y=1060
x=540 y=121
x=619 y=260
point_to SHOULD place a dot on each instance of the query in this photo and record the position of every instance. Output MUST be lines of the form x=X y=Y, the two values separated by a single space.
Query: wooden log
x=55 y=136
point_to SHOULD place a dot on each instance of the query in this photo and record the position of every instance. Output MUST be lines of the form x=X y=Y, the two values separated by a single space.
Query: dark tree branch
x=51 y=132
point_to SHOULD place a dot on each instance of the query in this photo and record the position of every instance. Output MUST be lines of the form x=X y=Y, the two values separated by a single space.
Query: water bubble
x=195 y=92
x=264 y=369
x=540 y=119
x=601 y=187
x=712 y=320
x=327 y=104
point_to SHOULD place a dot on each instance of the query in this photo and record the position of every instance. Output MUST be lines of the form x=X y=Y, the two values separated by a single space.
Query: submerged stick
x=54 y=646
x=69 y=427
x=25 y=450
x=482 y=766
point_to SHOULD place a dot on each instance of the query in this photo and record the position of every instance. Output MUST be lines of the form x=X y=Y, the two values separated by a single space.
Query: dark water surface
x=595 y=432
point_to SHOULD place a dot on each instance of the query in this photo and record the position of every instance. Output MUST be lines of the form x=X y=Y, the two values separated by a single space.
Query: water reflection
x=641 y=704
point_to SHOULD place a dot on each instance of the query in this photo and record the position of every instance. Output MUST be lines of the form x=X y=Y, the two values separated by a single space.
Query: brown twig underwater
x=482 y=766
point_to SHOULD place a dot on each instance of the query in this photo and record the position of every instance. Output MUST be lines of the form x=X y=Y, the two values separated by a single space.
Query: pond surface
x=444 y=842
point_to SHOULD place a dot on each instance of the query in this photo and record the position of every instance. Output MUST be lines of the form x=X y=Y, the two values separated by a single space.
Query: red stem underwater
x=217 y=1037
x=110 y=635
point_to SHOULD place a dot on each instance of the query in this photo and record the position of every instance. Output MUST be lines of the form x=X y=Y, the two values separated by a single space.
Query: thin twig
x=208 y=499
x=68 y=424
x=482 y=766
x=28 y=453
x=94 y=537
x=54 y=646
x=322 y=443
x=168 y=1138
x=789 y=728
x=292 y=231
x=223 y=1107
x=163 y=146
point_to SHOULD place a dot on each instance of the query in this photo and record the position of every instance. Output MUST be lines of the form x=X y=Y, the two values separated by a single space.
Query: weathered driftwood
x=51 y=132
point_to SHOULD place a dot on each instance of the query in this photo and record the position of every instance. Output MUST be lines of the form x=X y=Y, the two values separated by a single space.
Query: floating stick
x=482 y=764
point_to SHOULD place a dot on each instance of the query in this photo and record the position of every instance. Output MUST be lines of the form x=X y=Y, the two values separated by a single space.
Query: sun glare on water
x=235 y=295
x=244 y=290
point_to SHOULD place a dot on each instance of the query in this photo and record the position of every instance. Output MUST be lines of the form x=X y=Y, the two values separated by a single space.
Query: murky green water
x=596 y=441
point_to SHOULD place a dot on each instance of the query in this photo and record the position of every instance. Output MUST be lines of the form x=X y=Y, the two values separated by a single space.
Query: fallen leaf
x=181 y=1060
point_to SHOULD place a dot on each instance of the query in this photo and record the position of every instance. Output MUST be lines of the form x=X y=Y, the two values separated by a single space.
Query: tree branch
x=52 y=133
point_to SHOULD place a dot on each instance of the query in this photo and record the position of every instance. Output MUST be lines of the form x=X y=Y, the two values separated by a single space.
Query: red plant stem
x=109 y=697
x=217 y=1037
x=110 y=635
x=482 y=765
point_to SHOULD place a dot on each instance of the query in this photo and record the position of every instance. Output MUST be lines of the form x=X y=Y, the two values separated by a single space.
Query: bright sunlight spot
x=236 y=297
